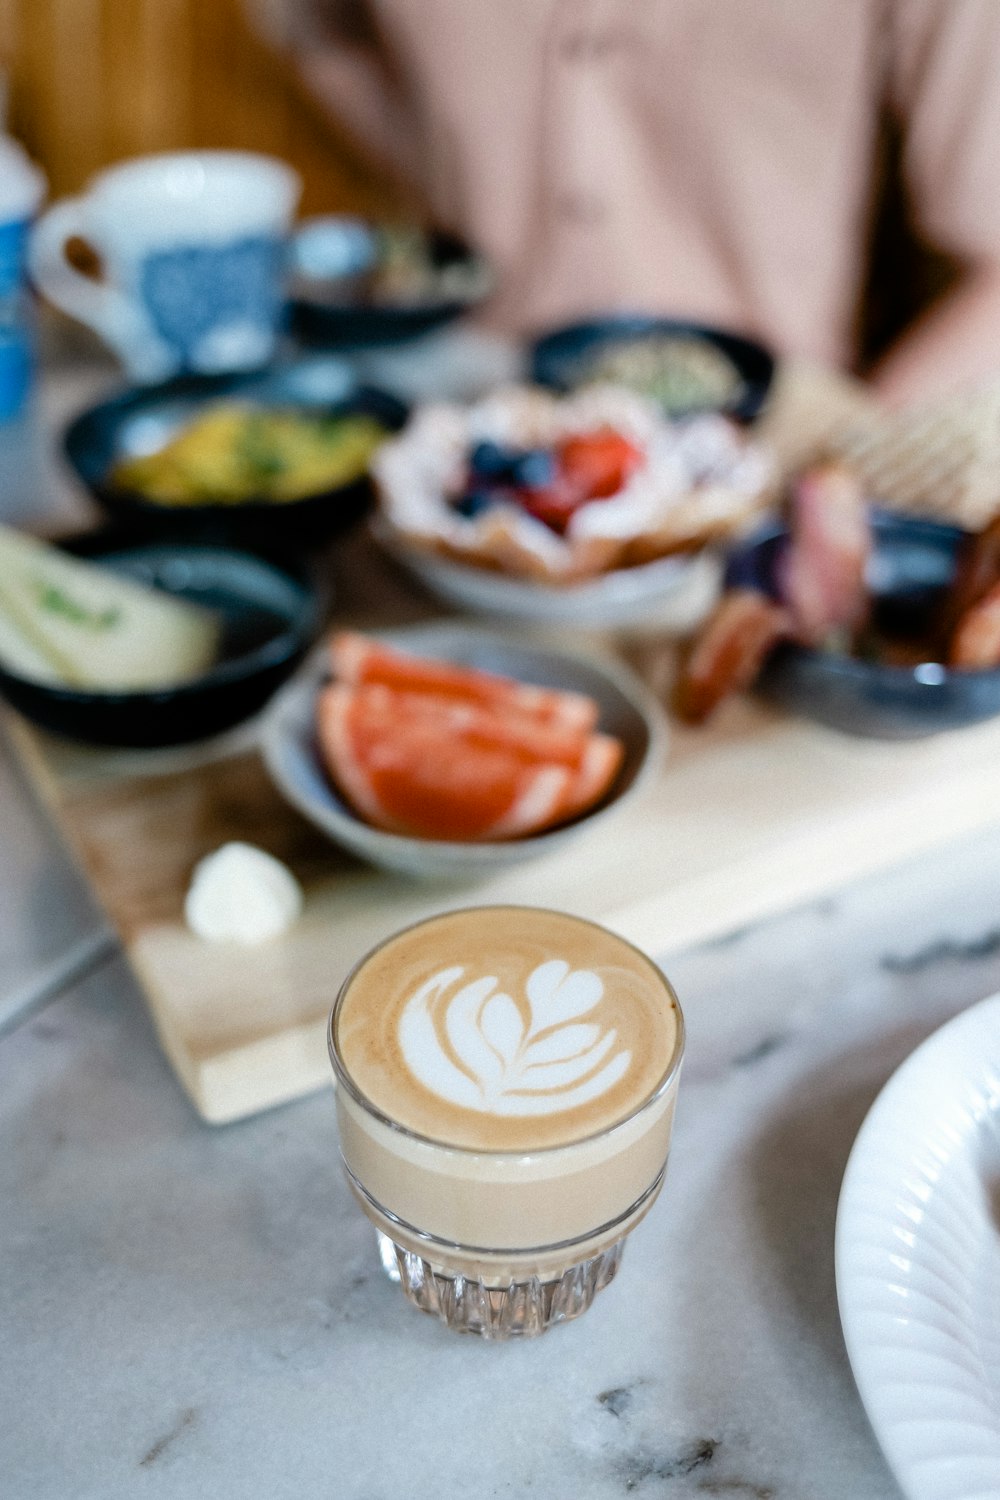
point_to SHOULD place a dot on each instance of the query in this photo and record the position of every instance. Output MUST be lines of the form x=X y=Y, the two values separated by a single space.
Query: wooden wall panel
x=8 y=28
x=93 y=81
x=146 y=63
x=59 y=59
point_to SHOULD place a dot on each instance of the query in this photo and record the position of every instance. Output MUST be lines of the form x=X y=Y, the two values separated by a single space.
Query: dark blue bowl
x=912 y=566
x=559 y=359
x=327 y=320
x=270 y=616
x=141 y=418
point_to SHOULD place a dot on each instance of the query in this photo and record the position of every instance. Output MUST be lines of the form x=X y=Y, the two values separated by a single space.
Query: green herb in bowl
x=682 y=373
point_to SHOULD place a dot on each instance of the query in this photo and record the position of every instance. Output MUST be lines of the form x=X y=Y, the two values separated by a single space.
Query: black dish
x=142 y=417
x=270 y=617
x=557 y=358
x=319 y=319
x=913 y=564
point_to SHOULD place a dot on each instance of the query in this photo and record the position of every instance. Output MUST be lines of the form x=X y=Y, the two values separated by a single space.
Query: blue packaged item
x=22 y=188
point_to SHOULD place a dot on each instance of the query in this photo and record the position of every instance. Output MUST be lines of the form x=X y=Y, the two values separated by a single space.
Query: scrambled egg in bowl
x=234 y=452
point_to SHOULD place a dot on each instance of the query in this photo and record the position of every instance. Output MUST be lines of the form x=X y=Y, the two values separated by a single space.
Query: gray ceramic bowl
x=912 y=567
x=627 y=710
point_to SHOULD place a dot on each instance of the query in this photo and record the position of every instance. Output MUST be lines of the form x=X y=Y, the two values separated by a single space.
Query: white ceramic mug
x=192 y=247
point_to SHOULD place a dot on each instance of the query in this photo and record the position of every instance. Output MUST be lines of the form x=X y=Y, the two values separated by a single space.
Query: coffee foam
x=506 y=1028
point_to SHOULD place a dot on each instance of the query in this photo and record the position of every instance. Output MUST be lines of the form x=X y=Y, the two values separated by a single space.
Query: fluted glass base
x=521 y=1309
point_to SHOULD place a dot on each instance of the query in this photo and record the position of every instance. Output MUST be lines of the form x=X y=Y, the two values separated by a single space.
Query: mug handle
x=104 y=308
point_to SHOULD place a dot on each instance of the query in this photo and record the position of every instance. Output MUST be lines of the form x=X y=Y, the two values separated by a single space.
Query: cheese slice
x=67 y=620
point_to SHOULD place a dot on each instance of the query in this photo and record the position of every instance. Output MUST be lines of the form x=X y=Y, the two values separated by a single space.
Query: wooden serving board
x=752 y=816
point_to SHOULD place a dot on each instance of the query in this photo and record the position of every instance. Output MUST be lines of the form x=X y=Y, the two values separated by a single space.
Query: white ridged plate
x=918 y=1262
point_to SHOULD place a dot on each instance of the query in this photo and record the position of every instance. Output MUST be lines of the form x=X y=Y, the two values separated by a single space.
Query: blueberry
x=534 y=469
x=471 y=503
x=490 y=461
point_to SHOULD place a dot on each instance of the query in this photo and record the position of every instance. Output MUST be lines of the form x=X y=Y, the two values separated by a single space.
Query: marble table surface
x=194 y=1312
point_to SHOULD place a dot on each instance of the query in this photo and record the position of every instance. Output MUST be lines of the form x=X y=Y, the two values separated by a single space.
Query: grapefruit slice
x=357 y=659
x=481 y=724
x=431 y=768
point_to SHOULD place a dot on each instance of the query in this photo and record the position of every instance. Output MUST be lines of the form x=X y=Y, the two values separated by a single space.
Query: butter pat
x=240 y=894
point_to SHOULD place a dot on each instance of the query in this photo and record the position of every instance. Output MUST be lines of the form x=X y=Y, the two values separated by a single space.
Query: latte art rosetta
x=475 y=1047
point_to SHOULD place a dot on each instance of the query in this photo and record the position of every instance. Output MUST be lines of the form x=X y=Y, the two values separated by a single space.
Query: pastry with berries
x=561 y=489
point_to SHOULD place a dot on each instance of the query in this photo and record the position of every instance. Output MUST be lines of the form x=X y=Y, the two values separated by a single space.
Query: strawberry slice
x=554 y=503
x=598 y=464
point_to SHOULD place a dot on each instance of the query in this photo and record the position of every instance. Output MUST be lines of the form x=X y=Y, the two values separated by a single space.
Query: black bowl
x=270 y=617
x=320 y=318
x=560 y=358
x=142 y=418
x=912 y=566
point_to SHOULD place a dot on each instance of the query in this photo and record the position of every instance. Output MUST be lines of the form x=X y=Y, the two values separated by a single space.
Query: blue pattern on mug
x=216 y=306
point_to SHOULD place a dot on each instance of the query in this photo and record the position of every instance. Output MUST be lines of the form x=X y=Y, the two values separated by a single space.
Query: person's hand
x=955 y=344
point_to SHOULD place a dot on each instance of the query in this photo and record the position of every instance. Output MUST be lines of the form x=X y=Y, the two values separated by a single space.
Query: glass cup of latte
x=506 y=1080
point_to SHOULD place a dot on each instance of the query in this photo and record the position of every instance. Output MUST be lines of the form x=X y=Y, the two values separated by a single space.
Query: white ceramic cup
x=192 y=247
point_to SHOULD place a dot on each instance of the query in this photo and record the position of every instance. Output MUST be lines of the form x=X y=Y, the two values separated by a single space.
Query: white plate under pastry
x=672 y=594
x=918 y=1262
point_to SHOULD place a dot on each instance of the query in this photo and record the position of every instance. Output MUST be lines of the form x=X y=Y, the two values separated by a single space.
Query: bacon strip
x=964 y=622
x=731 y=651
x=978 y=569
x=822 y=576
x=975 y=641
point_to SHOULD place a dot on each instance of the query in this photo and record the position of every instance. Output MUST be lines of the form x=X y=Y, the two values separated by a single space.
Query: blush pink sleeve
x=944 y=62
x=344 y=62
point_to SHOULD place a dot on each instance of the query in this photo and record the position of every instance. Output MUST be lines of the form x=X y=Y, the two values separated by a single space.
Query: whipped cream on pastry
x=700 y=479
